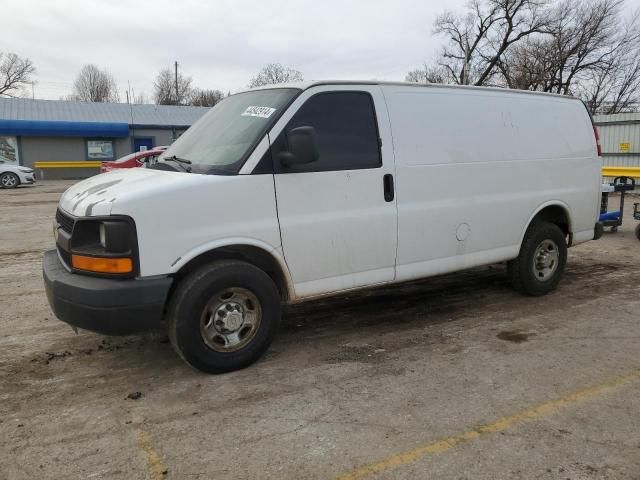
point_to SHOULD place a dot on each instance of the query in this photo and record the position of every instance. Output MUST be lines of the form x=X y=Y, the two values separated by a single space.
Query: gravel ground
x=456 y=377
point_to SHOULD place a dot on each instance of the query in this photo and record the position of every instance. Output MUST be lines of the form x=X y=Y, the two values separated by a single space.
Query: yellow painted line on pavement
x=529 y=415
x=155 y=465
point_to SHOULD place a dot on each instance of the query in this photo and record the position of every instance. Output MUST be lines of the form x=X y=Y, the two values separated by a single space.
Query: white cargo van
x=287 y=193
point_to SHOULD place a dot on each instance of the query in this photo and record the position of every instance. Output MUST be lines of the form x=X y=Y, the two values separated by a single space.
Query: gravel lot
x=450 y=378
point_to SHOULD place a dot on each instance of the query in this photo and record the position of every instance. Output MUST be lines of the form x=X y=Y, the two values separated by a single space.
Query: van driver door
x=337 y=214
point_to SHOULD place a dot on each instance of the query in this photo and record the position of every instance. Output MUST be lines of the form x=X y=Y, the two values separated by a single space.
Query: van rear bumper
x=104 y=305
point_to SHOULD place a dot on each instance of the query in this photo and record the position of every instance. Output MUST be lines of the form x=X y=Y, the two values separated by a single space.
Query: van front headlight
x=104 y=245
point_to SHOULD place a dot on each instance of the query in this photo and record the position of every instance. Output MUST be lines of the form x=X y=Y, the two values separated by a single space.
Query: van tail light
x=598 y=148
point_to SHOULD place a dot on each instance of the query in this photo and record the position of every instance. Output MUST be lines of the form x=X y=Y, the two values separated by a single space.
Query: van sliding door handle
x=387 y=182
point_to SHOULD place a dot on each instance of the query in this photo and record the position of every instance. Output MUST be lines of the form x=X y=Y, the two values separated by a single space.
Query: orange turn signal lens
x=102 y=264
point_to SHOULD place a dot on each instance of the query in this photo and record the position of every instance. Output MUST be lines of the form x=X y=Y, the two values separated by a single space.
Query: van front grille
x=65 y=221
x=64 y=256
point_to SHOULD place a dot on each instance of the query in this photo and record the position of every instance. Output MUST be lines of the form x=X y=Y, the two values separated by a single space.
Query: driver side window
x=346 y=128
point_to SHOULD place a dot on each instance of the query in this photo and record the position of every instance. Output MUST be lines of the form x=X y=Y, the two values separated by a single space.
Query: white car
x=288 y=193
x=13 y=175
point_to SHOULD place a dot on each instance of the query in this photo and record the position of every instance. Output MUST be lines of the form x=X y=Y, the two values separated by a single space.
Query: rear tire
x=637 y=231
x=223 y=316
x=543 y=255
x=9 y=180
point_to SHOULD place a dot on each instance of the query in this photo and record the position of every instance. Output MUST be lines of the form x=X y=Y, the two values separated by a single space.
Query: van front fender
x=237 y=243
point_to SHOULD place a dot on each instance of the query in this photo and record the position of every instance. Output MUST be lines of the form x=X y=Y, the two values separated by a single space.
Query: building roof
x=633 y=117
x=23 y=109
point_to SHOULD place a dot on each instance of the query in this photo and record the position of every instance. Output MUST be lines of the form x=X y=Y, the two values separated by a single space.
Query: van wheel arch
x=556 y=214
x=248 y=253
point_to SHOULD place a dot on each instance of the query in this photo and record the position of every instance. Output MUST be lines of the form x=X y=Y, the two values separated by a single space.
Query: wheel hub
x=229 y=317
x=545 y=260
x=8 y=181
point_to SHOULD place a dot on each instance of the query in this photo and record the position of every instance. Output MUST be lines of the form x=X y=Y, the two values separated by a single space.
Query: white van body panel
x=485 y=161
x=193 y=215
x=471 y=167
x=180 y=215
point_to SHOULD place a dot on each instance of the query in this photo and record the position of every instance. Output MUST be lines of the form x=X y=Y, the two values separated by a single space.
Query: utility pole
x=177 y=96
x=465 y=66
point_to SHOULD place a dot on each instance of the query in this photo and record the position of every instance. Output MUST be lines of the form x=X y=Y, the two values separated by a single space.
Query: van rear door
x=337 y=215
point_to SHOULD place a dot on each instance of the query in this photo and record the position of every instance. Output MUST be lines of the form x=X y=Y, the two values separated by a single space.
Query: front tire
x=223 y=316
x=543 y=255
x=9 y=180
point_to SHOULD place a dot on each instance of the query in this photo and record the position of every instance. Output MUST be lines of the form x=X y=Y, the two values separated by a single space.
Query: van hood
x=97 y=195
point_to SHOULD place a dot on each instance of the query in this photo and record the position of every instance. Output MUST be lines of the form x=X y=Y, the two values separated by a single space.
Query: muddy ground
x=456 y=377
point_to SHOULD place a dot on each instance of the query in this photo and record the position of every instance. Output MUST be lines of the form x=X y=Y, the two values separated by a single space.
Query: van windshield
x=221 y=140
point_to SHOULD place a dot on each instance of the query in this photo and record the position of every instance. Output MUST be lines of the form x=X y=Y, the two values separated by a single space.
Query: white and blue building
x=56 y=130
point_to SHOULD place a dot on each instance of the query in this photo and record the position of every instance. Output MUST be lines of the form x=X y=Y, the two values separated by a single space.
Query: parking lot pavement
x=450 y=378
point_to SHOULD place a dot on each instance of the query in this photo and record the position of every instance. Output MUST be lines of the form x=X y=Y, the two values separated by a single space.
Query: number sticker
x=262 y=112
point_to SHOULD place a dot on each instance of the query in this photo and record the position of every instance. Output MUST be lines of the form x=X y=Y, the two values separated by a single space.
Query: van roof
x=308 y=84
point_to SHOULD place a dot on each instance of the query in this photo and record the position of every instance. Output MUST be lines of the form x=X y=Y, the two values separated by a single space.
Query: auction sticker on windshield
x=262 y=112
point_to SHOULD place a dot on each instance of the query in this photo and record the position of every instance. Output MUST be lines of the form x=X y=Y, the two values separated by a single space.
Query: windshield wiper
x=180 y=161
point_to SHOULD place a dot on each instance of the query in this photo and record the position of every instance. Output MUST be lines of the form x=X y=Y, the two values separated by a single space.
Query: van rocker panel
x=104 y=305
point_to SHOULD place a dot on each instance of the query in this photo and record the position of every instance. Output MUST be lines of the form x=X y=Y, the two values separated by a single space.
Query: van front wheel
x=223 y=316
x=543 y=255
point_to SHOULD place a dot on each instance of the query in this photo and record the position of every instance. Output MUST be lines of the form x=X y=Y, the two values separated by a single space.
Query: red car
x=133 y=160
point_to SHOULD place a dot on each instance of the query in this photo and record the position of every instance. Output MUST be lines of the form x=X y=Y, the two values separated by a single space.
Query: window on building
x=100 y=150
x=347 y=131
x=9 y=150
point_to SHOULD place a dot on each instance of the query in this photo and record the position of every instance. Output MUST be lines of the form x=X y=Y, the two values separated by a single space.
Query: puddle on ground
x=514 y=336
x=357 y=353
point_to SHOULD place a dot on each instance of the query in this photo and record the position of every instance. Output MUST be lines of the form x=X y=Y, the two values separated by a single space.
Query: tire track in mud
x=479 y=294
x=19 y=253
x=451 y=296
x=413 y=313
x=28 y=203
x=13 y=258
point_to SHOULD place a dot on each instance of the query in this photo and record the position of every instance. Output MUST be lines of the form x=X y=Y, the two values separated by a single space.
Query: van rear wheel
x=543 y=255
x=224 y=316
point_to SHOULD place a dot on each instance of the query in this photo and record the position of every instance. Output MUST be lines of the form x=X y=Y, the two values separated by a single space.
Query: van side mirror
x=303 y=147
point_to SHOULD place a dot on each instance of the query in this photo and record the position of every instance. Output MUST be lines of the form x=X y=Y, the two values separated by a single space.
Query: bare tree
x=478 y=40
x=583 y=36
x=205 y=98
x=586 y=50
x=275 y=73
x=165 y=88
x=140 y=99
x=572 y=47
x=15 y=74
x=427 y=74
x=95 y=85
x=614 y=87
x=527 y=65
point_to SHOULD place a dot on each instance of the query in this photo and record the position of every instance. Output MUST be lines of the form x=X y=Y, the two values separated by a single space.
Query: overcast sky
x=221 y=43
